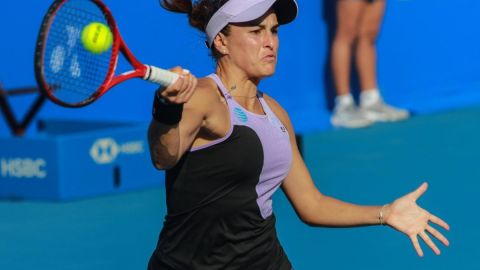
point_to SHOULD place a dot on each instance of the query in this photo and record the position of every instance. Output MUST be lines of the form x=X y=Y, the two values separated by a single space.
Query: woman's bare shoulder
x=206 y=94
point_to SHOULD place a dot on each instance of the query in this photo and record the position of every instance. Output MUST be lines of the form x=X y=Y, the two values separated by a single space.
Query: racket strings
x=76 y=73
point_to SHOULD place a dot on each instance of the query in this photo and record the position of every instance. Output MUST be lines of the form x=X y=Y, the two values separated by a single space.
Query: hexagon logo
x=104 y=150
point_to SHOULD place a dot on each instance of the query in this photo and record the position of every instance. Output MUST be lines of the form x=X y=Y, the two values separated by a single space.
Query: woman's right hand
x=182 y=90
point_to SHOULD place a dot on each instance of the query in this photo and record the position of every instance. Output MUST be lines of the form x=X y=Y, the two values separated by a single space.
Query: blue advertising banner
x=67 y=164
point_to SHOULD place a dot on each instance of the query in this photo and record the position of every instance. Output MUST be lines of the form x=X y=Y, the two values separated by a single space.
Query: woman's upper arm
x=194 y=113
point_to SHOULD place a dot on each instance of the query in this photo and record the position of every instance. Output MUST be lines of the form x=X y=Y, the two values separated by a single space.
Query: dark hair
x=199 y=14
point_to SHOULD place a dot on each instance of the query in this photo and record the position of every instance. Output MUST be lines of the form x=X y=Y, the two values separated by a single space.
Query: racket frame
x=118 y=46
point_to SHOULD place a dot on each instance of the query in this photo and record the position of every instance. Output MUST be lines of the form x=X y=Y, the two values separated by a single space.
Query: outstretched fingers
x=439 y=222
x=429 y=242
x=426 y=238
x=437 y=235
x=416 y=245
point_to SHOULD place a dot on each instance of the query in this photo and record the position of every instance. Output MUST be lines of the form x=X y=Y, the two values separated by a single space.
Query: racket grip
x=160 y=76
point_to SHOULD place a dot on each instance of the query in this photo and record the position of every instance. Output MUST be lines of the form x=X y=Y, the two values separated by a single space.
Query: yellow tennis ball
x=97 y=38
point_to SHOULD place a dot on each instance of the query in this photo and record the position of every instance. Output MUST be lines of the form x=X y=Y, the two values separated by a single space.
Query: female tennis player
x=227 y=147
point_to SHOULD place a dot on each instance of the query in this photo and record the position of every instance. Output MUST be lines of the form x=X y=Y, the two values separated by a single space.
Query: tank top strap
x=220 y=85
x=265 y=106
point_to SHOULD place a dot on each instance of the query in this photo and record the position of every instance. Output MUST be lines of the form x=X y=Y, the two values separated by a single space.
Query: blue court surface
x=368 y=166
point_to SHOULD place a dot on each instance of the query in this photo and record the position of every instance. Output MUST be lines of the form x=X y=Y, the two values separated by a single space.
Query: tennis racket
x=67 y=72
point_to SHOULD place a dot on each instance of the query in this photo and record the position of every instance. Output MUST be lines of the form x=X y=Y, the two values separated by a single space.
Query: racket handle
x=160 y=76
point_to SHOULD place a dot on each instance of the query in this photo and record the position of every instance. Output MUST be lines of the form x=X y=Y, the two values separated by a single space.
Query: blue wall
x=427 y=52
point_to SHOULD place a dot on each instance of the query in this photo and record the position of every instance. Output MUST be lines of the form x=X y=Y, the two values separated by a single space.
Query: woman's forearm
x=164 y=143
x=330 y=212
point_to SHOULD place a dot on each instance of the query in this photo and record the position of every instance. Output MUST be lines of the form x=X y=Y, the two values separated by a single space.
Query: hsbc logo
x=17 y=167
x=106 y=150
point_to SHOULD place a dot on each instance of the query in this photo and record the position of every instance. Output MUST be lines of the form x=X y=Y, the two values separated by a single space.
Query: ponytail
x=179 y=6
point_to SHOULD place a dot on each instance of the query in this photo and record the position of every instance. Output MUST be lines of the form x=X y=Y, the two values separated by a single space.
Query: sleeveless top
x=219 y=197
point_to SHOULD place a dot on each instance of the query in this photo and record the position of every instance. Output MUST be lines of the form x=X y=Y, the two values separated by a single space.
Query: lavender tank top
x=275 y=141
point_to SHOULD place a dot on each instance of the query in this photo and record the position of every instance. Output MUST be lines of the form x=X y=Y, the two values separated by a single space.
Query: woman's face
x=253 y=46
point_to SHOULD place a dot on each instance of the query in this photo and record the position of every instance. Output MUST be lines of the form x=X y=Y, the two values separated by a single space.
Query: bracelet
x=381 y=215
x=164 y=112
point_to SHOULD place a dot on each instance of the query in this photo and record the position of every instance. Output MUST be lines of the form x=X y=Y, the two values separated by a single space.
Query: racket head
x=66 y=72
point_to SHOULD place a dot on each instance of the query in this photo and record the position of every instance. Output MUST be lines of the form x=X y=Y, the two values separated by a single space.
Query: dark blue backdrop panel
x=427 y=51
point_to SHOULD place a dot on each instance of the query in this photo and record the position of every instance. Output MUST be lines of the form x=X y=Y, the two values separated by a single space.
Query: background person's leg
x=366 y=55
x=349 y=15
x=371 y=101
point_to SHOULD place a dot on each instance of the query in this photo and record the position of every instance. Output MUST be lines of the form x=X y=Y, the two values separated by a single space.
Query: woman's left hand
x=406 y=216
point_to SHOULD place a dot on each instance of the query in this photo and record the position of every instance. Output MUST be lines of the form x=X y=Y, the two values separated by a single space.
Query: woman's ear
x=220 y=43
